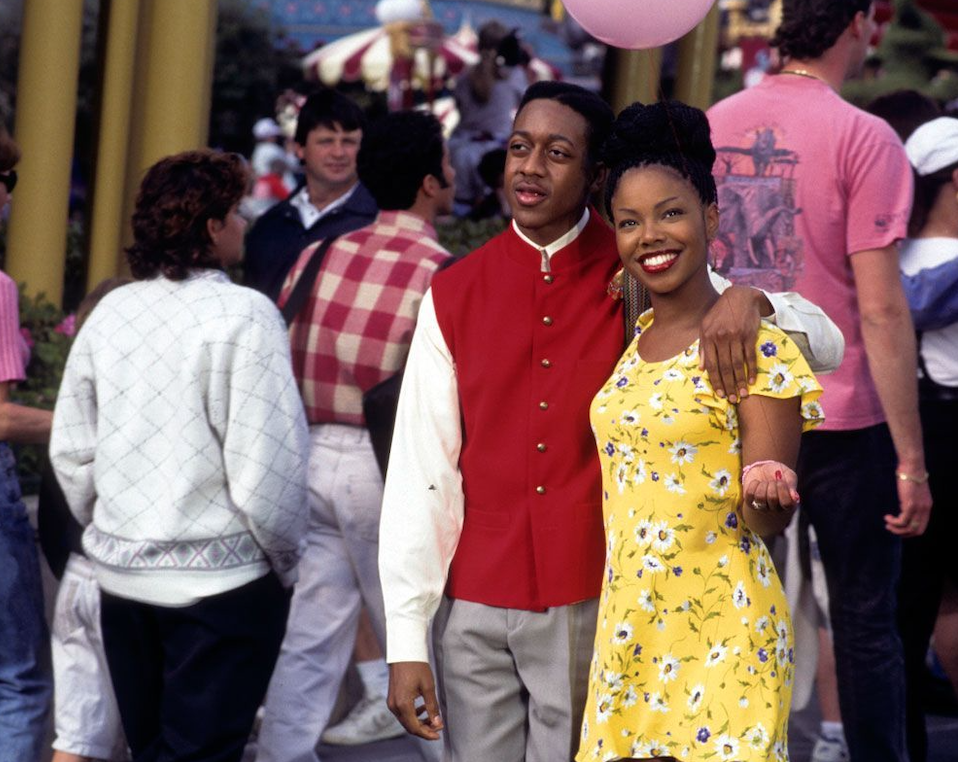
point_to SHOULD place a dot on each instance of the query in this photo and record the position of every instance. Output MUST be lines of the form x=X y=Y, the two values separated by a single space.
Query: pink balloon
x=638 y=24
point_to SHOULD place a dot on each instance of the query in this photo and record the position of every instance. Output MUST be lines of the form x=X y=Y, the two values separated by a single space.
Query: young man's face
x=547 y=176
x=330 y=156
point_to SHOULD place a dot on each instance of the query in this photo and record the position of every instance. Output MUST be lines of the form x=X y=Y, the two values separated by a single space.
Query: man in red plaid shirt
x=353 y=332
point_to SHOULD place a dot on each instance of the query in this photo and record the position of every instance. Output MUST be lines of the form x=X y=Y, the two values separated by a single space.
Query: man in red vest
x=492 y=516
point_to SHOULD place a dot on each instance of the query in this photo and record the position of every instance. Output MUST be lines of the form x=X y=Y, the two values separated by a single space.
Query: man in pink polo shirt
x=814 y=195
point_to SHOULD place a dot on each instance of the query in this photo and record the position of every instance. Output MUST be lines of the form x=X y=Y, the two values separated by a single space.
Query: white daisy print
x=630 y=697
x=603 y=709
x=720 y=482
x=657 y=703
x=655 y=401
x=683 y=452
x=758 y=737
x=622 y=633
x=726 y=746
x=644 y=533
x=621 y=476
x=613 y=680
x=696 y=695
x=761 y=624
x=668 y=668
x=645 y=601
x=779 y=378
x=663 y=537
x=629 y=418
x=639 y=476
x=674 y=484
x=739 y=596
x=716 y=655
x=652 y=564
x=762 y=572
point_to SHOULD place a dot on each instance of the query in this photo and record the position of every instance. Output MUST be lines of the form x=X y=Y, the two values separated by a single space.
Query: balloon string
x=656 y=73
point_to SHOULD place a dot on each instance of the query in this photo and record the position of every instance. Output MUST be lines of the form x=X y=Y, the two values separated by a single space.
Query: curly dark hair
x=176 y=198
x=398 y=151
x=810 y=27
x=597 y=113
x=9 y=151
x=668 y=133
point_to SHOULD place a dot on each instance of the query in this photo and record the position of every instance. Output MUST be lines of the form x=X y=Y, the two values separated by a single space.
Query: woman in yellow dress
x=693 y=651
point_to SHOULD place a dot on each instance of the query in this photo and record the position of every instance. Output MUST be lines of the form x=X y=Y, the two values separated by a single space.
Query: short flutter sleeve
x=782 y=372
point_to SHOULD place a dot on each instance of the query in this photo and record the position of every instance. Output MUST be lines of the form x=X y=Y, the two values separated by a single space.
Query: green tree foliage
x=913 y=57
x=254 y=64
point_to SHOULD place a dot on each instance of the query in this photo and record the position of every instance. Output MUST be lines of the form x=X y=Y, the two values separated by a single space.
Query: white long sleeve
x=179 y=438
x=422 y=510
x=815 y=334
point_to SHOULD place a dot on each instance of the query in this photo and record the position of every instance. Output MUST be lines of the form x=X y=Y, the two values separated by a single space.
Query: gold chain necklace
x=801 y=73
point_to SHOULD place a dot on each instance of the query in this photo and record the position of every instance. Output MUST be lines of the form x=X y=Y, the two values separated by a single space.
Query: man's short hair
x=328 y=108
x=597 y=113
x=397 y=153
x=811 y=27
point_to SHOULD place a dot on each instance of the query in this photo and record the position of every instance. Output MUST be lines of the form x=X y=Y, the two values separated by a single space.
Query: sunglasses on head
x=9 y=179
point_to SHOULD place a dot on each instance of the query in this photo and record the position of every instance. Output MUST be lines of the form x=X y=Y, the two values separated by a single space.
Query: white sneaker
x=829 y=750
x=370 y=720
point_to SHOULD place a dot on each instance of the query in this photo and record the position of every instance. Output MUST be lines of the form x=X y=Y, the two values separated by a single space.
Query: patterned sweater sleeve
x=265 y=441
x=73 y=438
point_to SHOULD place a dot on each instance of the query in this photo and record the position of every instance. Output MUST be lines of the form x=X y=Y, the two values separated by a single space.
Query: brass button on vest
x=548 y=278
x=547 y=320
x=543 y=405
x=546 y=364
x=541 y=447
x=541 y=490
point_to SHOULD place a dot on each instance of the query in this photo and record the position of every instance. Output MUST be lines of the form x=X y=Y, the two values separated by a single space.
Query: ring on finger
x=759 y=506
x=914 y=525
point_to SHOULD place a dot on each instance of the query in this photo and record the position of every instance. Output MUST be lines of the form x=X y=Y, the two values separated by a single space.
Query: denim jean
x=25 y=682
x=847 y=483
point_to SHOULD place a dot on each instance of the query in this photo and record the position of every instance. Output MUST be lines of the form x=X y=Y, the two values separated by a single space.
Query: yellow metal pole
x=636 y=77
x=107 y=222
x=46 y=109
x=697 y=60
x=179 y=70
x=171 y=95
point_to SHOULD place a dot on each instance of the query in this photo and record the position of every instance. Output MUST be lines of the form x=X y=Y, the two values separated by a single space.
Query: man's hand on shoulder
x=727 y=340
x=412 y=698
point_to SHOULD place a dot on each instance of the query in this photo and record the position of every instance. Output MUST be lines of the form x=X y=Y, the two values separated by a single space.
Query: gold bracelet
x=903 y=477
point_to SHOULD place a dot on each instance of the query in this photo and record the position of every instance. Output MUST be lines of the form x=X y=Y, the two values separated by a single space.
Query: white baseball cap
x=266 y=128
x=934 y=145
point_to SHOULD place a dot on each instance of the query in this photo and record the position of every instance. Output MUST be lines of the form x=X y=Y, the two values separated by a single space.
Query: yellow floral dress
x=693 y=649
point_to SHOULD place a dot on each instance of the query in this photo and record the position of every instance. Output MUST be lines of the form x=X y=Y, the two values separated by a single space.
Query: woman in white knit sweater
x=180 y=443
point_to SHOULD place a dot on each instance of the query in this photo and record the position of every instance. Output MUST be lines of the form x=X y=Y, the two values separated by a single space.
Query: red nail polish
x=778 y=475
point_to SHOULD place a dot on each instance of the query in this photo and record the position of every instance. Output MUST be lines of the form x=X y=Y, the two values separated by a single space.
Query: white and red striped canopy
x=367 y=57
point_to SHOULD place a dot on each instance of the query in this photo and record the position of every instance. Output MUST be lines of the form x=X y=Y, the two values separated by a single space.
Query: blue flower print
x=609 y=449
x=677 y=571
x=622 y=382
x=731 y=521
x=769 y=349
x=745 y=545
x=703 y=735
x=655 y=476
x=762 y=655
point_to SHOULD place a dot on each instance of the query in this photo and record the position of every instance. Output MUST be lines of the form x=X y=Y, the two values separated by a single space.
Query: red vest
x=531 y=350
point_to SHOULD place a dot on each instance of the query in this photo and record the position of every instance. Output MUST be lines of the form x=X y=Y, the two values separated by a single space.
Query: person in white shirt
x=180 y=443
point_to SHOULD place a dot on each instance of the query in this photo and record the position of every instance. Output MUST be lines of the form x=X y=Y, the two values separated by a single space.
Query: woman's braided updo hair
x=669 y=134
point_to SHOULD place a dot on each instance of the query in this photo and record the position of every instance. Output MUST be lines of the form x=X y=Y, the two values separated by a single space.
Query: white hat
x=933 y=146
x=266 y=128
